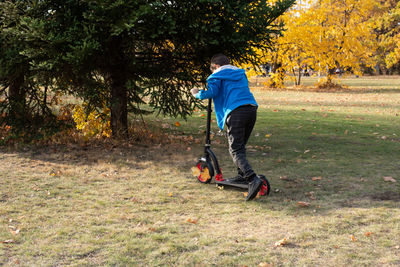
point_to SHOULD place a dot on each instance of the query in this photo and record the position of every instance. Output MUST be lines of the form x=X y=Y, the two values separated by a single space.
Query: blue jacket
x=229 y=88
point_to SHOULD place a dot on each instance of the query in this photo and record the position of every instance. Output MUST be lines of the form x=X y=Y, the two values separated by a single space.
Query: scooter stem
x=208 y=140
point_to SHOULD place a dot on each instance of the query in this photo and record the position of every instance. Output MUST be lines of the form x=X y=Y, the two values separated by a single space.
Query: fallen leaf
x=316 y=178
x=170 y=194
x=305 y=152
x=281 y=242
x=151 y=229
x=310 y=195
x=353 y=238
x=303 y=204
x=55 y=172
x=264 y=264
x=192 y=221
x=367 y=234
x=8 y=241
x=389 y=179
x=267 y=135
x=15 y=232
x=177 y=124
x=196 y=171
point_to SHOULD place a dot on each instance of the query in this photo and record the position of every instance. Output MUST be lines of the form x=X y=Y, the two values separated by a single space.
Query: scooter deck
x=225 y=183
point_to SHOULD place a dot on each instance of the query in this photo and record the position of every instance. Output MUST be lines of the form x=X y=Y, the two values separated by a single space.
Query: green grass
x=133 y=204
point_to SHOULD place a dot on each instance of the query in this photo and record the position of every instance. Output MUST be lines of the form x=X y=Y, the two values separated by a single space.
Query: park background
x=92 y=176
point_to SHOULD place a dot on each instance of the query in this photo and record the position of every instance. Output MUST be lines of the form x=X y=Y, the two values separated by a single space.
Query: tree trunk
x=17 y=101
x=119 y=105
x=299 y=77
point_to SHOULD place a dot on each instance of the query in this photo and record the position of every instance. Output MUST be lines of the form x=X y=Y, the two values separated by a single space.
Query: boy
x=236 y=108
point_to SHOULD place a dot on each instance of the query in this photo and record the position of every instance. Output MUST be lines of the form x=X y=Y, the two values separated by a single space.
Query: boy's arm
x=213 y=86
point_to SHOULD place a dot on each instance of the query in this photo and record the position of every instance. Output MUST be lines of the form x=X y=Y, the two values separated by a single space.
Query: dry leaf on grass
x=316 y=178
x=389 y=179
x=191 y=221
x=311 y=195
x=8 y=241
x=281 y=242
x=55 y=173
x=367 y=234
x=353 y=238
x=16 y=232
x=264 y=264
x=303 y=204
x=196 y=171
x=177 y=124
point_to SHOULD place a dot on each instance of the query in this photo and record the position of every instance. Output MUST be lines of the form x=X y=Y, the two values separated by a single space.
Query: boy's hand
x=194 y=91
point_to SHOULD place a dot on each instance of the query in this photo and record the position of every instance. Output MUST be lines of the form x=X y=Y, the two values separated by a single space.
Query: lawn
x=332 y=159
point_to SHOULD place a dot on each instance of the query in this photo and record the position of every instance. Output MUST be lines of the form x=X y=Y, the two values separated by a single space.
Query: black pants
x=240 y=124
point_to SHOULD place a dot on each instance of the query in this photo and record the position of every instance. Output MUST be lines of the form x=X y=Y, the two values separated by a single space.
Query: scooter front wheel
x=206 y=172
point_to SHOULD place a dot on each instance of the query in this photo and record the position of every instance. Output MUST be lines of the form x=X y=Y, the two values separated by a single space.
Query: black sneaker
x=237 y=180
x=254 y=187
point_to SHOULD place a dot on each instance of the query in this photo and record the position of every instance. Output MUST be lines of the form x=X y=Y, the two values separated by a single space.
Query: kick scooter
x=207 y=166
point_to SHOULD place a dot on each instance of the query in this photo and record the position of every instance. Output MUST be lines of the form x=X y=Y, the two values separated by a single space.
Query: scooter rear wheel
x=266 y=187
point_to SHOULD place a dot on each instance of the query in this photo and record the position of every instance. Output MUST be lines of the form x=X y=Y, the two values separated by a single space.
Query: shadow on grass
x=337 y=172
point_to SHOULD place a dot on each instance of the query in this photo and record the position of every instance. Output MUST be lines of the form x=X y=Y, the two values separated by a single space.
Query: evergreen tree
x=127 y=53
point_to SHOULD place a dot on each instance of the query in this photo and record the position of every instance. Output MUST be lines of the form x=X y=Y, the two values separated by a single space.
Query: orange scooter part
x=204 y=176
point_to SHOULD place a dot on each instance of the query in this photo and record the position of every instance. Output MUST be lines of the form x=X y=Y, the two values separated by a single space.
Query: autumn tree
x=128 y=53
x=326 y=35
x=387 y=28
x=288 y=54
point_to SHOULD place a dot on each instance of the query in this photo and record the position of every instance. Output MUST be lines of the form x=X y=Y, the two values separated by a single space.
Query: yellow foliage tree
x=341 y=35
x=325 y=35
x=387 y=27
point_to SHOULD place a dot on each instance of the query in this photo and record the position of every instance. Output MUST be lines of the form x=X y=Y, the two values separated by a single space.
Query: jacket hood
x=228 y=72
